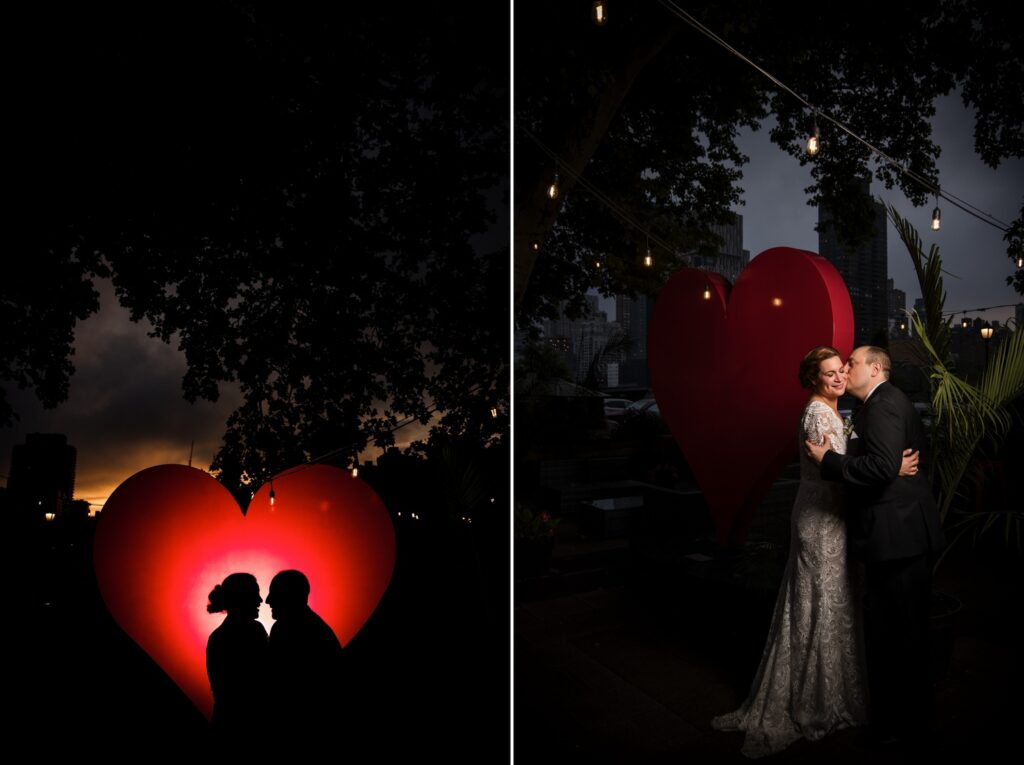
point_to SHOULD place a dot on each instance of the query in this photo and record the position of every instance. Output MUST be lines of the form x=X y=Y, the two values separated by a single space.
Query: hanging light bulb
x=494 y=412
x=936 y=215
x=965 y=324
x=648 y=258
x=707 y=291
x=535 y=246
x=597 y=263
x=355 y=472
x=553 y=188
x=814 y=142
x=598 y=13
x=272 y=494
x=1020 y=261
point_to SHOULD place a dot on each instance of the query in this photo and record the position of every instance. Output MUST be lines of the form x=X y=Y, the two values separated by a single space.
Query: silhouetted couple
x=290 y=681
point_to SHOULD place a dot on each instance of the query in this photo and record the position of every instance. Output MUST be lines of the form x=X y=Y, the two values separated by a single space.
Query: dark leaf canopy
x=646 y=110
x=298 y=196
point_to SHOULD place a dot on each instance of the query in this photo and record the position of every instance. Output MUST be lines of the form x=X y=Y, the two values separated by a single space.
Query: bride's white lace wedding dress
x=811 y=680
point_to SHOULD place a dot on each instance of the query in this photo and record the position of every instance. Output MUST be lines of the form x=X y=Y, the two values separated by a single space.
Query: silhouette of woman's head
x=289 y=593
x=239 y=595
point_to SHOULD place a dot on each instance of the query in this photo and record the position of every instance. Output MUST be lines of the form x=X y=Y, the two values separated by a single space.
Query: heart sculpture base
x=724 y=362
x=169 y=533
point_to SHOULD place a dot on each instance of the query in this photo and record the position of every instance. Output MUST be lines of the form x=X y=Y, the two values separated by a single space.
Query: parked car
x=615 y=410
x=643 y=405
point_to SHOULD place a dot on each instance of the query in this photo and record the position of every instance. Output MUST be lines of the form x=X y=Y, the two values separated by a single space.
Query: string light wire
x=342 y=450
x=612 y=205
x=929 y=185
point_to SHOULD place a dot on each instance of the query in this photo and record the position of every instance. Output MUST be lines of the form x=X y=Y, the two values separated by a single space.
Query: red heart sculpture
x=724 y=370
x=169 y=533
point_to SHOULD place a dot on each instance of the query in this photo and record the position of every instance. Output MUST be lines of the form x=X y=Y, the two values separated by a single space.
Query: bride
x=812 y=679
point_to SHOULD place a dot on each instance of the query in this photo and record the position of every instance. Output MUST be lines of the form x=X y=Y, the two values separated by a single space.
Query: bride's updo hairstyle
x=236 y=590
x=811 y=365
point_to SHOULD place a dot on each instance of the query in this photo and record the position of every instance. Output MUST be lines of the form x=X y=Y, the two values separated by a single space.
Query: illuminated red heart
x=724 y=370
x=168 y=534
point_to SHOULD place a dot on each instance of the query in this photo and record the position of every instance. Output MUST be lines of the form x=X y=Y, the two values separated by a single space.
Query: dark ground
x=625 y=649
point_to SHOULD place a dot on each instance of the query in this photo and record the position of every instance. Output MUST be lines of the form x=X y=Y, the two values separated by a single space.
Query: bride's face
x=831 y=378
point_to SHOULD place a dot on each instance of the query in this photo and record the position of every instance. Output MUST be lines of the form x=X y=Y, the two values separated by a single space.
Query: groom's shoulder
x=895 y=397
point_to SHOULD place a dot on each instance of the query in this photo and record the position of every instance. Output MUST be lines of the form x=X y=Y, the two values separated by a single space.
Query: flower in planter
x=530 y=524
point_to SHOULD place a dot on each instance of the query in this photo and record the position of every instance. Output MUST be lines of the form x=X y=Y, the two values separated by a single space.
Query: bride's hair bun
x=236 y=591
x=218 y=601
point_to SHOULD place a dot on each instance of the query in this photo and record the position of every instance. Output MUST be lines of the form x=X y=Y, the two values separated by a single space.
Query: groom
x=894 y=527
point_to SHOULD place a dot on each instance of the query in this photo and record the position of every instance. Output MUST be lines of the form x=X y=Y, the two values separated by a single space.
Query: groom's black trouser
x=896 y=612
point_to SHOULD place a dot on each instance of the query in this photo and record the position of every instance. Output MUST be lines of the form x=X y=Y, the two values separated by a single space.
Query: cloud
x=125 y=410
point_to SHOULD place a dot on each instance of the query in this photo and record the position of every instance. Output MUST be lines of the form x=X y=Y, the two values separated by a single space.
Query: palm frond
x=965 y=414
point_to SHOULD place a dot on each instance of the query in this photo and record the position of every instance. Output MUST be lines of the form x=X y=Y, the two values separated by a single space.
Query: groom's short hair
x=875 y=355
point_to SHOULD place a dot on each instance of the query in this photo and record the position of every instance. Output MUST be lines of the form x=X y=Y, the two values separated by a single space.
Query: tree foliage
x=289 y=193
x=646 y=111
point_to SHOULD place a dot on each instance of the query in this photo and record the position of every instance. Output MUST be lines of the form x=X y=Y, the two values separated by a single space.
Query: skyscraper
x=897 y=310
x=731 y=258
x=43 y=473
x=864 y=268
x=633 y=314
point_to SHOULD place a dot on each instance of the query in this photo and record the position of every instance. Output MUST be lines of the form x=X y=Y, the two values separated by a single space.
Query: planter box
x=608 y=518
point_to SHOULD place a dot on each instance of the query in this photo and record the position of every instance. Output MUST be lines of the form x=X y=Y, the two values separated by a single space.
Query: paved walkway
x=618 y=673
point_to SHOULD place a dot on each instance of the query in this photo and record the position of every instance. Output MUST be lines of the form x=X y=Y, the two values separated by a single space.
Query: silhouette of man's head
x=289 y=594
x=238 y=594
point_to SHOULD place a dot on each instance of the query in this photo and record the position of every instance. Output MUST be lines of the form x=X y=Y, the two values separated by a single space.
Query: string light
x=494 y=412
x=335 y=452
x=777 y=302
x=535 y=246
x=597 y=194
x=814 y=142
x=1020 y=261
x=936 y=215
x=648 y=259
x=272 y=494
x=598 y=13
x=965 y=324
x=597 y=264
x=954 y=200
x=707 y=291
x=553 y=188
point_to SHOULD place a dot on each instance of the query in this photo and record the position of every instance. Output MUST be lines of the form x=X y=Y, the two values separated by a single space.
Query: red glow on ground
x=170 y=533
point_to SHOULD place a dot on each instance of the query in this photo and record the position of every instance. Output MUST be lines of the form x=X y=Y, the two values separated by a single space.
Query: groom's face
x=859 y=379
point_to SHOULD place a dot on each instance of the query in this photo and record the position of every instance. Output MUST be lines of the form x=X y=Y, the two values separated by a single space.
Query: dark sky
x=776 y=212
x=125 y=411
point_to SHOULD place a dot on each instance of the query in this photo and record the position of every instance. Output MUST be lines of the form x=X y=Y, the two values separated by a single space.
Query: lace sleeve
x=818 y=423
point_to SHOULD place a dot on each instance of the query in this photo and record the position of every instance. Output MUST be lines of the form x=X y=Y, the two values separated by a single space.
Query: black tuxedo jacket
x=889 y=516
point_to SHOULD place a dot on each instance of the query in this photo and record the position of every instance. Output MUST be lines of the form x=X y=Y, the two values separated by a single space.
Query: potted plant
x=966 y=418
x=534 y=540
